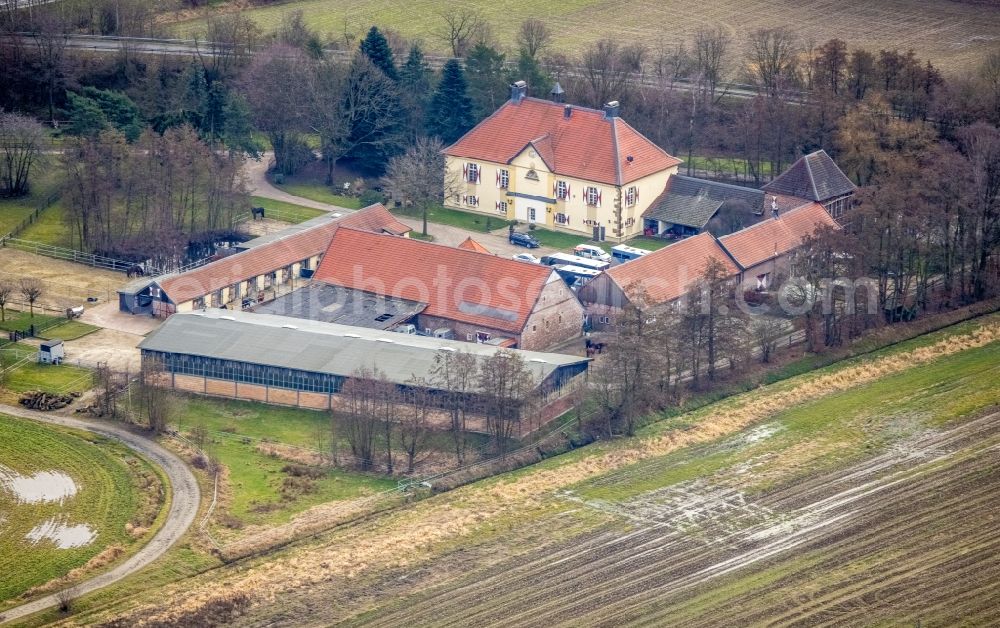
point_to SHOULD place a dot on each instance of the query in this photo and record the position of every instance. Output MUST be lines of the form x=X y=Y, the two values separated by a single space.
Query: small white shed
x=51 y=352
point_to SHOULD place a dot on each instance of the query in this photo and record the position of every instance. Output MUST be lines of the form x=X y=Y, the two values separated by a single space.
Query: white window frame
x=592 y=196
x=502 y=207
x=472 y=173
x=532 y=214
x=631 y=196
x=504 y=178
x=562 y=190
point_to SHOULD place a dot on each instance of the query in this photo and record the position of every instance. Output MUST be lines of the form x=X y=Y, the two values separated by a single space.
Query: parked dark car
x=524 y=239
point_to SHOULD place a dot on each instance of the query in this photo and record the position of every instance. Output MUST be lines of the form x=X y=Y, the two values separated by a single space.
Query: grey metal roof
x=320 y=347
x=325 y=302
x=814 y=177
x=289 y=230
x=692 y=202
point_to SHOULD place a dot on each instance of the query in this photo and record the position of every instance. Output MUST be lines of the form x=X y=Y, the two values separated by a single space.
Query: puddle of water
x=64 y=536
x=41 y=487
x=761 y=432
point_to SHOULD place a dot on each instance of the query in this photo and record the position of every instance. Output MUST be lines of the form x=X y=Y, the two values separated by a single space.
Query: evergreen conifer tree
x=375 y=47
x=415 y=90
x=450 y=113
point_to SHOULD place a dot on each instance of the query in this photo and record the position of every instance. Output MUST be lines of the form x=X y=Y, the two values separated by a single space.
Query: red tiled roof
x=668 y=273
x=471 y=245
x=776 y=236
x=456 y=284
x=375 y=218
x=587 y=145
x=274 y=255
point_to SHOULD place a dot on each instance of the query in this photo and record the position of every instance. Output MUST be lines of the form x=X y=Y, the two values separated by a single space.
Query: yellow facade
x=530 y=196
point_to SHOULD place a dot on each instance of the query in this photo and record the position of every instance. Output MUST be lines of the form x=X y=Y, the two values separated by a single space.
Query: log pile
x=40 y=400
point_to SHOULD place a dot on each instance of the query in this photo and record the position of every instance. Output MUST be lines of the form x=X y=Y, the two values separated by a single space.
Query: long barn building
x=263 y=269
x=296 y=362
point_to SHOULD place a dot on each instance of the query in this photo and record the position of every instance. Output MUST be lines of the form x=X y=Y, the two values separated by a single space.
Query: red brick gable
x=457 y=284
x=586 y=145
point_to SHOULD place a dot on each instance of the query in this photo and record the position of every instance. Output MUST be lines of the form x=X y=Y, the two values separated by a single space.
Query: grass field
x=70 y=330
x=14 y=210
x=307 y=187
x=866 y=487
x=17 y=320
x=60 y=378
x=286 y=212
x=260 y=494
x=115 y=491
x=954 y=35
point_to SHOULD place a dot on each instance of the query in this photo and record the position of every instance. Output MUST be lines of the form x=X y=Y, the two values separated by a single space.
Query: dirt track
x=184 y=501
x=930 y=499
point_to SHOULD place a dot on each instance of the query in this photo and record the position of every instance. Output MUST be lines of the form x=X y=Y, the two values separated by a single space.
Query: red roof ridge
x=770 y=238
x=669 y=272
x=587 y=145
x=456 y=283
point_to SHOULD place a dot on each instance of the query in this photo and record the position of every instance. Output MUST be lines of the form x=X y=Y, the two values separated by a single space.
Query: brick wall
x=315 y=401
x=190 y=383
x=556 y=319
x=253 y=392
x=220 y=387
x=282 y=396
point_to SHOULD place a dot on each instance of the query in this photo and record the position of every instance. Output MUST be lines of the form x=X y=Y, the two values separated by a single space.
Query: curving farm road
x=185 y=499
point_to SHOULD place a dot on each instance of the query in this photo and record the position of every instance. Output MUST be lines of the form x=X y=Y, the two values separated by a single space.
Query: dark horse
x=135 y=271
x=257 y=212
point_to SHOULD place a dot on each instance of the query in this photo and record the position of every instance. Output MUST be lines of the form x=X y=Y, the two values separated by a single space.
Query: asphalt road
x=185 y=499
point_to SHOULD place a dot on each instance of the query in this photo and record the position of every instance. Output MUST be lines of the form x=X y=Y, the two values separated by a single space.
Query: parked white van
x=625 y=253
x=590 y=251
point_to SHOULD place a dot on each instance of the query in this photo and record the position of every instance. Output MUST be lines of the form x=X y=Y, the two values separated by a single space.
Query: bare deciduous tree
x=360 y=414
x=534 y=37
x=231 y=39
x=711 y=52
x=31 y=289
x=414 y=426
x=359 y=109
x=278 y=85
x=461 y=29
x=155 y=401
x=416 y=177
x=505 y=383
x=455 y=372
x=771 y=58
x=607 y=68
x=22 y=140
x=6 y=291
x=766 y=331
